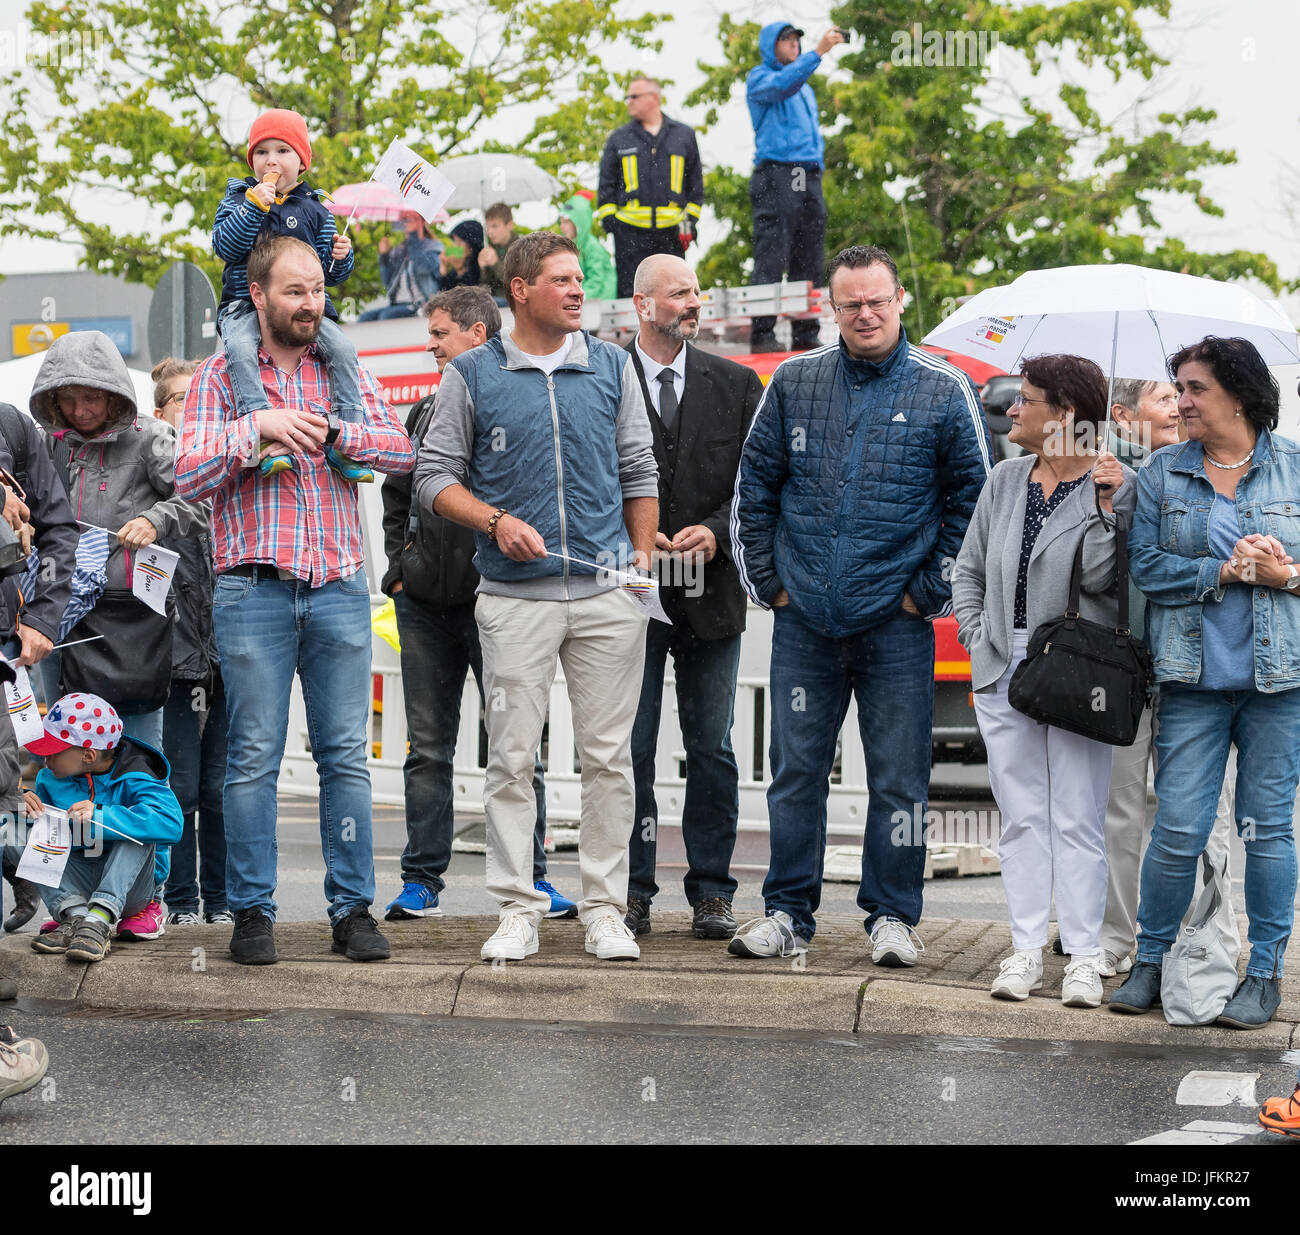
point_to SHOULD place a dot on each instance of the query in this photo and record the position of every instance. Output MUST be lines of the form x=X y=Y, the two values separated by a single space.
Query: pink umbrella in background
x=371 y=200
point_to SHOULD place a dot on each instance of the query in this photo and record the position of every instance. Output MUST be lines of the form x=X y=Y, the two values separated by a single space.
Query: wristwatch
x=332 y=433
x=1293 y=583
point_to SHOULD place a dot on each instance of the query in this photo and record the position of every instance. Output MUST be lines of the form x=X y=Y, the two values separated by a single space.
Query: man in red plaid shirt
x=291 y=594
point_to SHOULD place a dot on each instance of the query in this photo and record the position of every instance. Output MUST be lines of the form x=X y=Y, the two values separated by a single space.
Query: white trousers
x=600 y=641
x=1128 y=831
x=1051 y=787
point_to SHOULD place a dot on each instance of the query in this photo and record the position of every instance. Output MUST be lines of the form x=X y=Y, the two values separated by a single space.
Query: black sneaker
x=713 y=919
x=1253 y=1004
x=637 y=918
x=1140 y=992
x=253 y=940
x=357 y=937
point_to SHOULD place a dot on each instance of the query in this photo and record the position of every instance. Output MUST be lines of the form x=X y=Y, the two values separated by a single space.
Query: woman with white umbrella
x=1217 y=521
x=1013 y=574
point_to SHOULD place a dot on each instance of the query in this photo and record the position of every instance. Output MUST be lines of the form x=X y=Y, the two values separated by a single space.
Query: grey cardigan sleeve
x=448 y=443
x=969 y=579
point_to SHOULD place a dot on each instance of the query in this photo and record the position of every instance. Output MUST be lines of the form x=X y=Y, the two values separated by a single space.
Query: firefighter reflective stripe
x=629 y=173
x=693 y=209
x=649 y=217
x=676 y=172
x=604 y=212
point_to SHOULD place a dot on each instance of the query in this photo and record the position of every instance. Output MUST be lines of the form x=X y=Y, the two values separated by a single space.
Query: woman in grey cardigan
x=1013 y=574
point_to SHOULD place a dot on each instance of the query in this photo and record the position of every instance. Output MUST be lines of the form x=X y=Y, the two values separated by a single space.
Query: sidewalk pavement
x=435 y=970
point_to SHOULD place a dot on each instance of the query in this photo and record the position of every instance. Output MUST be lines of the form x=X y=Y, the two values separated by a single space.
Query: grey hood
x=83 y=358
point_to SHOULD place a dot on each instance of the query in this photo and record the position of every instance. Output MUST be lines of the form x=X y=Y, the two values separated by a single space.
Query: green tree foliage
x=150 y=100
x=988 y=191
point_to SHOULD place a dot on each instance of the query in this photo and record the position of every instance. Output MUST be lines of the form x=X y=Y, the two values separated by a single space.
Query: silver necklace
x=1227 y=467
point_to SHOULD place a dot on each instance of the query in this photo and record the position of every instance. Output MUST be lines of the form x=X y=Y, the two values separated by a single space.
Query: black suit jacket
x=718 y=403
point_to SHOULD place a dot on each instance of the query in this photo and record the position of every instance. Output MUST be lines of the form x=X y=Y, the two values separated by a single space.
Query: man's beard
x=674 y=329
x=287 y=331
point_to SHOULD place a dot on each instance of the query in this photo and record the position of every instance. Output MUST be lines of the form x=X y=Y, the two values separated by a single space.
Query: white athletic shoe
x=1082 y=985
x=1111 y=965
x=610 y=940
x=515 y=939
x=1020 y=973
x=892 y=946
x=770 y=936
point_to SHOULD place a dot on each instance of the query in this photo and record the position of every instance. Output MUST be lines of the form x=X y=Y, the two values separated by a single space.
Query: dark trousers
x=890 y=670
x=632 y=245
x=705 y=672
x=438 y=648
x=194 y=741
x=789 y=237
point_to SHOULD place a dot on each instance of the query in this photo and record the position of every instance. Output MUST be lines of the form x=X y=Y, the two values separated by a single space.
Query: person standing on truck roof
x=856 y=485
x=651 y=184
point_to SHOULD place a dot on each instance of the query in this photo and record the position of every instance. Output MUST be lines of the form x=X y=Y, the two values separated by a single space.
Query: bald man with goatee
x=700 y=407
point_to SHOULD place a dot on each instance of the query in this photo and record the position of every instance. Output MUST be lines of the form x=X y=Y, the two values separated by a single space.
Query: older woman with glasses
x=1013 y=574
x=1218 y=520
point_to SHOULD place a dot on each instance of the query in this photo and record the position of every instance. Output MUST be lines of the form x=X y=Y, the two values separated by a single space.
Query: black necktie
x=667 y=400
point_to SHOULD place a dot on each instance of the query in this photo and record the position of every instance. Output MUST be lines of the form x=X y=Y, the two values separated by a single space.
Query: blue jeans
x=120 y=879
x=890 y=670
x=1194 y=730
x=388 y=312
x=147 y=726
x=705 y=673
x=198 y=777
x=266 y=629
x=240 y=336
x=437 y=650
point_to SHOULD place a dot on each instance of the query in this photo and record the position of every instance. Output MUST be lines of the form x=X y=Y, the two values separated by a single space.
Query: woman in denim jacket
x=1218 y=518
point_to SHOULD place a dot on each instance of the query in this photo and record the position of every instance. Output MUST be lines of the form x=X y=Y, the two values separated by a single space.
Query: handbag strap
x=1121 y=571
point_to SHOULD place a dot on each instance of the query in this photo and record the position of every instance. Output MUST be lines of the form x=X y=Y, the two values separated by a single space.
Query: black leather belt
x=259 y=570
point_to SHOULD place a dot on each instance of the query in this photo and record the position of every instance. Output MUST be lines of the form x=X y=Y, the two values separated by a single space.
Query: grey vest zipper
x=559 y=480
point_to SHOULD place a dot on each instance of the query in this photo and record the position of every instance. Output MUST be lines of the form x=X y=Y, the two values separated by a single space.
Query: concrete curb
x=435 y=971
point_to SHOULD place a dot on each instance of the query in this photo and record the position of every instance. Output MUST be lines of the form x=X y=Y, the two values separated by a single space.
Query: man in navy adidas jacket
x=856 y=485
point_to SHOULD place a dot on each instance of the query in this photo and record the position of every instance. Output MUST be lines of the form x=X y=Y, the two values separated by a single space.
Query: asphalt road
x=337 y=1078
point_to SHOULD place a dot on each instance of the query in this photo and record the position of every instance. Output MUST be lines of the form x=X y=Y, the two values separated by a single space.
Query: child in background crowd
x=274 y=201
x=123 y=816
x=194 y=716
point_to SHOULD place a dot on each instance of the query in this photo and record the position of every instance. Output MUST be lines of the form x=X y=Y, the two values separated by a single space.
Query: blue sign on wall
x=117 y=328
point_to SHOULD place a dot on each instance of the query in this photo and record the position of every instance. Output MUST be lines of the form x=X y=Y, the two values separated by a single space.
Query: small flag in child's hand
x=151 y=576
x=48 y=844
x=415 y=180
x=22 y=707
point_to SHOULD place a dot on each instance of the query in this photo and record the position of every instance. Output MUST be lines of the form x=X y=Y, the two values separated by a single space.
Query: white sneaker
x=1020 y=973
x=891 y=944
x=1082 y=985
x=1111 y=965
x=770 y=936
x=515 y=939
x=610 y=940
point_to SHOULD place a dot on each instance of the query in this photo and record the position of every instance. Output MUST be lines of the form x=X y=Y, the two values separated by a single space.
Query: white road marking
x=1218 y=1089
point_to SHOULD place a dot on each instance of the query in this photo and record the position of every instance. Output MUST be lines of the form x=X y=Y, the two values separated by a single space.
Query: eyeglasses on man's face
x=855 y=307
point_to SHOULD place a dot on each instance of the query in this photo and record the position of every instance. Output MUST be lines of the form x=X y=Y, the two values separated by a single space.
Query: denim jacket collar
x=1190 y=456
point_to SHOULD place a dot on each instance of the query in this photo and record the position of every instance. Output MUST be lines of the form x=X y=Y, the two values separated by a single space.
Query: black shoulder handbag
x=131 y=666
x=1082 y=676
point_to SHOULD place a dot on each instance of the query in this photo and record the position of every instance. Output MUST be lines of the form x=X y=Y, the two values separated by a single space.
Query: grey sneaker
x=891 y=944
x=770 y=936
x=1253 y=1005
x=90 y=941
x=21 y=1069
x=55 y=942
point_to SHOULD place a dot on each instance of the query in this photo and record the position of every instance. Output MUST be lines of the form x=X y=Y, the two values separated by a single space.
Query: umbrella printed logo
x=999 y=328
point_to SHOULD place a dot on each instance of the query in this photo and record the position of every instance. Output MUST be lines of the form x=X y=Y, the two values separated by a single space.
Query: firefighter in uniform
x=651 y=183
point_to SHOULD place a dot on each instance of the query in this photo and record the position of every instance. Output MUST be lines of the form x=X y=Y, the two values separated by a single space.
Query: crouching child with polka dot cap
x=124 y=819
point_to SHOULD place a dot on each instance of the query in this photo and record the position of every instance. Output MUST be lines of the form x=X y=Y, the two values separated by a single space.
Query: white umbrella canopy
x=17 y=377
x=1127 y=319
x=482 y=179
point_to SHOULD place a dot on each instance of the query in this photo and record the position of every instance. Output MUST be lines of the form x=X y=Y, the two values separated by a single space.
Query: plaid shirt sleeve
x=215 y=443
x=380 y=441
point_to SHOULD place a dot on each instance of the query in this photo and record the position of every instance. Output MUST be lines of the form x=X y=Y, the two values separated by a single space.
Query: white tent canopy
x=17 y=377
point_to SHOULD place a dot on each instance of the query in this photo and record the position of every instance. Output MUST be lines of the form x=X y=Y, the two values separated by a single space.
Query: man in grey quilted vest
x=541 y=445
x=856 y=485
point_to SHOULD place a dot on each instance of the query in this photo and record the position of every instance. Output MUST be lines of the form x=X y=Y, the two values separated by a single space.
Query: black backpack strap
x=13 y=426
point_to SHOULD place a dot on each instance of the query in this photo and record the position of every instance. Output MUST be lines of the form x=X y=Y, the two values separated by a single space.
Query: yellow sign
x=32 y=337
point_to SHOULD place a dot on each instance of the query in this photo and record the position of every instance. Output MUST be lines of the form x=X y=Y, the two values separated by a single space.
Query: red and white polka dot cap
x=79 y=720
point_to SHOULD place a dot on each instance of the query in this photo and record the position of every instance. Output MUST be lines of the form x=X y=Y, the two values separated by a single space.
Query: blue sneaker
x=561 y=906
x=356 y=473
x=414 y=901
